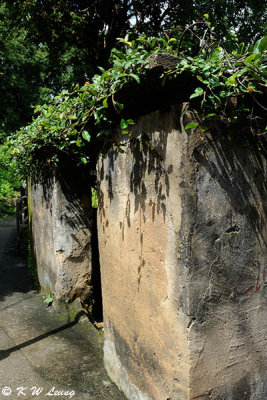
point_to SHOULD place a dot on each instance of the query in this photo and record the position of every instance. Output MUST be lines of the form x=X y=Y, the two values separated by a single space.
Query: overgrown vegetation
x=9 y=182
x=46 y=47
x=78 y=123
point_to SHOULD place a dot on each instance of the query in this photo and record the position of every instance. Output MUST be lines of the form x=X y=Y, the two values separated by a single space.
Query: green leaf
x=102 y=132
x=183 y=62
x=83 y=160
x=124 y=124
x=256 y=46
x=86 y=135
x=198 y=92
x=94 y=197
x=96 y=116
x=209 y=116
x=105 y=102
x=232 y=80
x=263 y=44
x=118 y=105
x=135 y=77
x=191 y=125
x=250 y=58
x=48 y=299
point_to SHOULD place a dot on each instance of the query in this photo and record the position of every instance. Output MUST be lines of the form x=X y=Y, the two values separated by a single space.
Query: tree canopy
x=80 y=123
x=66 y=58
x=46 y=46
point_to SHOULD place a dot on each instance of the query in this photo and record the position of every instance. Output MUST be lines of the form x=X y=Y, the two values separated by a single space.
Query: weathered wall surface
x=182 y=238
x=61 y=221
x=139 y=217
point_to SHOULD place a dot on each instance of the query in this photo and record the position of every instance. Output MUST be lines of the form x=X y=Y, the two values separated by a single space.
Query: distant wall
x=62 y=222
x=182 y=238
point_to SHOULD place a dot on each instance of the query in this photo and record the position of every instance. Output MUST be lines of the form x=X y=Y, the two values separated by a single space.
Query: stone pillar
x=182 y=239
x=61 y=223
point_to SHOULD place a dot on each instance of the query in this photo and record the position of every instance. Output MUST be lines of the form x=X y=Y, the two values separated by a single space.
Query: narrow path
x=38 y=346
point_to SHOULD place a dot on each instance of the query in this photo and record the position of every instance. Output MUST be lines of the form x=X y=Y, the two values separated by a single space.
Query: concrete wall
x=61 y=221
x=182 y=239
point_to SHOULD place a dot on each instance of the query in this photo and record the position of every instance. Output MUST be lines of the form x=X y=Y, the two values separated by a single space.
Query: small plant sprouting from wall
x=94 y=197
x=48 y=300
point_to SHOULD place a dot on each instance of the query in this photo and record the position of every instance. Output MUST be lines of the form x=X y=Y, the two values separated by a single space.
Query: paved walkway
x=40 y=348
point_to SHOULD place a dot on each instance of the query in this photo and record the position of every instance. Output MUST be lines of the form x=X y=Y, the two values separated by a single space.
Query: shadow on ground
x=14 y=276
x=6 y=353
x=41 y=347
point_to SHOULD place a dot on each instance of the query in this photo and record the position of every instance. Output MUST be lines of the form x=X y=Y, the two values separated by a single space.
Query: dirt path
x=41 y=348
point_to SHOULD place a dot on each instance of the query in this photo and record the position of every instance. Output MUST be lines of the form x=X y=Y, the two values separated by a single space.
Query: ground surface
x=40 y=347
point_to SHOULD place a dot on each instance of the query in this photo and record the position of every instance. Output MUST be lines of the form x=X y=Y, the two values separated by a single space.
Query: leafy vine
x=79 y=122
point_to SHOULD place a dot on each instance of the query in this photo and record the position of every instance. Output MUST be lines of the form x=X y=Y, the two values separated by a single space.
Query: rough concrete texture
x=61 y=221
x=182 y=238
x=163 y=61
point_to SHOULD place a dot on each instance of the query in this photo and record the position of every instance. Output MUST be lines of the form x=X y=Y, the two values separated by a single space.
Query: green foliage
x=46 y=46
x=88 y=30
x=191 y=125
x=23 y=71
x=79 y=123
x=74 y=119
x=48 y=300
x=94 y=197
x=9 y=182
x=7 y=195
x=224 y=75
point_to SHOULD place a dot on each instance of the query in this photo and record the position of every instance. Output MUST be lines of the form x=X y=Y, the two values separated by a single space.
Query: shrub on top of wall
x=79 y=123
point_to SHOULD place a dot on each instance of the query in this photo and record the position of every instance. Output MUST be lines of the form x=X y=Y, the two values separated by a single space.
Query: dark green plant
x=78 y=123
x=226 y=75
x=46 y=46
x=85 y=115
x=94 y=197
x=10 y=181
